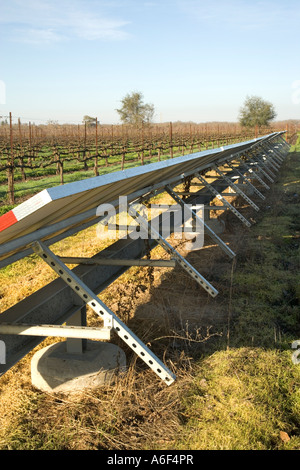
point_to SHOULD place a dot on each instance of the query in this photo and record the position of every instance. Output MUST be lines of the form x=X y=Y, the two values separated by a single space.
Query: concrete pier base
x=54 y=370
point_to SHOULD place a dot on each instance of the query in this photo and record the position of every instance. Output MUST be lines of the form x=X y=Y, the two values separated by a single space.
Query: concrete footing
x=54 y=370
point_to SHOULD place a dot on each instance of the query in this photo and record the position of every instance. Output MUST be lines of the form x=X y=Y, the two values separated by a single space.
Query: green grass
x=42 y=178
x=269 y=277
x=245 y=395
x=25 y=189
x=242 y=399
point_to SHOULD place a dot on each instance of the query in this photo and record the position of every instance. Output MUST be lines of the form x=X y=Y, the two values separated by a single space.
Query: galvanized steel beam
x=110 y=319
x=169 y=249
x=236 y=188
x=225 y=202
x=207 y=229
x=246 y=180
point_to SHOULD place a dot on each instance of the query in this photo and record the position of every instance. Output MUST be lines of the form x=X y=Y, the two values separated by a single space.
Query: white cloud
x=45 y=22
x=242 y=14
x=86 y=26
x=36 y=36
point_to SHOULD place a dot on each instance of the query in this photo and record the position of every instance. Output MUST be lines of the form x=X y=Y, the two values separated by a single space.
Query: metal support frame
x=276 y=154
x=275 y=159
x=158 y=263
x=284 y=143
x=190 y=194
x=132 y=211
x=269 y=161
x=124 y=228
x=271 y=154
x=277 y=162
x=214 y=208
x=210 y=232
x=63 y=331
x=259 y=157
x=275 y=150
x=254 y=174
x=77 y=345
x=281 y=148
x=273 y=163
x=236 y=188
x=109 y=318
x=257 y=164
x=246 y=180
x=225 y=202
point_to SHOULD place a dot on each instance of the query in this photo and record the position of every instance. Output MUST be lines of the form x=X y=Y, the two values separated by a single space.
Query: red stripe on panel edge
x=6 y=220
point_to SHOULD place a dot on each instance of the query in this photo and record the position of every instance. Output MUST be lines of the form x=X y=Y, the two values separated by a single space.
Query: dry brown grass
x=125 y=416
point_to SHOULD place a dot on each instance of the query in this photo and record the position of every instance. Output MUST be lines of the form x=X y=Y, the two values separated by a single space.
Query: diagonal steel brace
x=254 y=174
x=278 y=157
x=133 y=212
x=109 y=318
x=269 y=159
x=225 y=202
x=247 y=181
x=257 y=163
x=210 y=232
x=236 y=188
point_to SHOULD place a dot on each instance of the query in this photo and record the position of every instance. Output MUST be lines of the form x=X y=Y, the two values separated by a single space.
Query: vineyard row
x=28 y=151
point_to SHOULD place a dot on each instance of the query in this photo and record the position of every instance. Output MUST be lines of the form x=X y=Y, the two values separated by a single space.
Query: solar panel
x=62 y=207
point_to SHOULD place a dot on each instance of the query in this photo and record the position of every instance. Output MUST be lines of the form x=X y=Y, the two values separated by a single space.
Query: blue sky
x=193 y=59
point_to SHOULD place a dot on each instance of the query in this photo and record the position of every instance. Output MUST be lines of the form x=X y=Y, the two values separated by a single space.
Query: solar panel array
x=59 y=212
x=73 y=204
